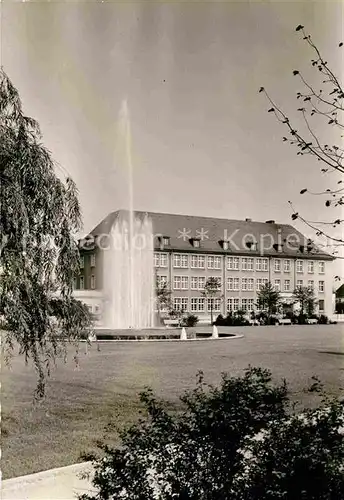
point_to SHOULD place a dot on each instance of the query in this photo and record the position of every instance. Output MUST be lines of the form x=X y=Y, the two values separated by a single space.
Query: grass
x=80 y=403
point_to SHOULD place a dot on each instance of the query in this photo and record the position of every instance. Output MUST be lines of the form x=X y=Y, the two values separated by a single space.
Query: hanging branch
x=327 y=104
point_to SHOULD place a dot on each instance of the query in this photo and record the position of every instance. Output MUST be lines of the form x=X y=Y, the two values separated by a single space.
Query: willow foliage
x=39 y=255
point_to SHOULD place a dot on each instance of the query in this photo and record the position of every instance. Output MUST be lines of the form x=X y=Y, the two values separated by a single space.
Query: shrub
x=220 y=321
x=236 y=441
x=190 y=320
x=302 y=319
x=340 y=308
x=323 y=319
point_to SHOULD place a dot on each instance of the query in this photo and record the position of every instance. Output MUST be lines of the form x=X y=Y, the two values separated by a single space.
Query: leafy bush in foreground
x=238 y=441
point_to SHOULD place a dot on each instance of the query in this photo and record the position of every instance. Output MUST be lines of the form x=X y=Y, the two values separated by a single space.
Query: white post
x=215 y=332
x=183 y=335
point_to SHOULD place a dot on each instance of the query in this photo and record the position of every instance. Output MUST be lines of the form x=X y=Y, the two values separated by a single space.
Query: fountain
x=215 y=334
x=129 y=286
x=183 y=335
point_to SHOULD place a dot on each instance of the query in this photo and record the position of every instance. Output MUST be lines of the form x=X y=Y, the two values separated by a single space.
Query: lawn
x=80 y=403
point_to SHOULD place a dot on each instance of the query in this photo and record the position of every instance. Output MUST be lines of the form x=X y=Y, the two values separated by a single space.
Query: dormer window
x=196 y=242
x=278 y=247
x=252 y=245
x=164 y=241
x=224 y=244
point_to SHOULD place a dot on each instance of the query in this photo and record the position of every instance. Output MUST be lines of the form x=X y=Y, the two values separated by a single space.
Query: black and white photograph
x=171 y=269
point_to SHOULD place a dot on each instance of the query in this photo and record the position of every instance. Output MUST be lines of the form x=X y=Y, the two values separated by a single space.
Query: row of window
x=200 y=304
x=233 y=284
x=233 y=263
x=92 y=260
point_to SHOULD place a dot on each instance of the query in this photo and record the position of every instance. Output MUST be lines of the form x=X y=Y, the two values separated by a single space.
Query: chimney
x=248 y=220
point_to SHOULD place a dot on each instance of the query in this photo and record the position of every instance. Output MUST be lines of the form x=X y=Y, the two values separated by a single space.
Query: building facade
x=244 y=255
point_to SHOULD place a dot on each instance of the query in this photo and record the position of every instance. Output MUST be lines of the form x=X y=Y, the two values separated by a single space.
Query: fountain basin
x=160 y=334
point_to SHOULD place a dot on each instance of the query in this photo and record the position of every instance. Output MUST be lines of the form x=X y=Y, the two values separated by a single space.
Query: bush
x=237 y=441
x=340 y=308
x=323 y=319
x=190 y=320
x=220 y=321
x=302 y=319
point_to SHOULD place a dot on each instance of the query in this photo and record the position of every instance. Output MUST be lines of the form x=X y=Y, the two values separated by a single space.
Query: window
x=311 y=266
x=197 y=304
x=75 y=283
x=82 y=261
x=250 y=284
x=181 y=282
x=180 y=303
x=299 y=266
x=201 y=282
x=197 y=261
x=247 y=264
x=89 y=307
x=287 y=266
x=160 y=259
x=321 y=286
x=97 y=309
x=184 y=283
x=93 y=282
x=321 y=267
x=321 y=305
x=247 y=284
x=82 y=282
x=299 y=283
x=250 y=304
x=232 y=284
x=225 y=245
x=161 y=280
x=247 y=304
x=196 y=243
x=261 y=282
x=311 y=284
x=277 y=265
x=232 y=304
x=93 y=260
x=233 y=263
x=166 y=240
x=214 y=262
x=278 y=285
x=287 y=285
x=216 y=301
x=180 y=260
x=262 y=264
x=194 y=283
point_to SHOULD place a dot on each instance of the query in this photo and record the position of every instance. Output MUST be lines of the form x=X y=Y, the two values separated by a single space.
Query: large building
x=244 y=255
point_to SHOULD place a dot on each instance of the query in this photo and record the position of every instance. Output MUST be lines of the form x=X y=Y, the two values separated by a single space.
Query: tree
x=163 y=295
x=318 y=106
x=212 y=290
x=305 y=297
x=269 y=299
x=241 y=440
x=39 y=256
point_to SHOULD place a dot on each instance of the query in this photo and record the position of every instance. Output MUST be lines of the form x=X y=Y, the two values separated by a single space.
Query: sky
x=203 y=142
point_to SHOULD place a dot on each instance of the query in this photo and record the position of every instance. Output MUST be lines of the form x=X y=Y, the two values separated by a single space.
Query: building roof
x=340 y=292
x=211 y=232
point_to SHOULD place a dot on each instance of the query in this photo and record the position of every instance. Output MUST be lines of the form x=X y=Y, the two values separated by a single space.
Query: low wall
x=63 y=483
